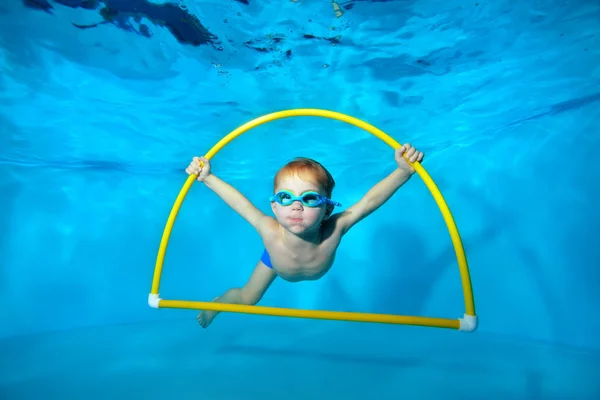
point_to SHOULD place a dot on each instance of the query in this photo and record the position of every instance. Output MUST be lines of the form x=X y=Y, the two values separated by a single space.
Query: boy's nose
x=297 y=205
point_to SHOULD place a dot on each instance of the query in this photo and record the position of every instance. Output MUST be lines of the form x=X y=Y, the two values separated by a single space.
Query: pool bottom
x=250 y=357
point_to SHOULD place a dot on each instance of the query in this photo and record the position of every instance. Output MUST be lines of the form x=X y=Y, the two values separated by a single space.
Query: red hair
x=309 y=170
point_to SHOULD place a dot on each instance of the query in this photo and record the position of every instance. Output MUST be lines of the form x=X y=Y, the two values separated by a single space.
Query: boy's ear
x=273 y=207
x=328 y=211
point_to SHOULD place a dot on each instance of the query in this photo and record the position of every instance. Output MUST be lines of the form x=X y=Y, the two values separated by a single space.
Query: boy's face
x=296 y=217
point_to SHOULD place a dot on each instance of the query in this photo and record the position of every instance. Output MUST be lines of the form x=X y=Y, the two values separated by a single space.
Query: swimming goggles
x=309 y=199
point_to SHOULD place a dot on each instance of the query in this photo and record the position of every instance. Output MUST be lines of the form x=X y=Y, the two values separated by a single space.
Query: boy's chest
x=307 y=265
x=305 y=261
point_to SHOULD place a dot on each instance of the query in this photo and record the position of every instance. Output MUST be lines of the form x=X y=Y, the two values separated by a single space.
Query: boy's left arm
x=382 y=191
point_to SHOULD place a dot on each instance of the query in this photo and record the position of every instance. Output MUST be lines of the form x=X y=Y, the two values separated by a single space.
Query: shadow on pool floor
x=245 y=357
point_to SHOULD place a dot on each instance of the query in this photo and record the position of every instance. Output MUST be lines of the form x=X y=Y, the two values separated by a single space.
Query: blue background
x=98 y=125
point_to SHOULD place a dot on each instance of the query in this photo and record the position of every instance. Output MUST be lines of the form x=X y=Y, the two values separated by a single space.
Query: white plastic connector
x=153 y=300
x=468 y=323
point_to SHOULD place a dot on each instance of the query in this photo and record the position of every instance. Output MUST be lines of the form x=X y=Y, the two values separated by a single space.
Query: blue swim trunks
x=266 y=259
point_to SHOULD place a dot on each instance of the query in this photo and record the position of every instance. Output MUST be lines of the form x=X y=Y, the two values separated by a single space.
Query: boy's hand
x=195 y=168
x=411 y=154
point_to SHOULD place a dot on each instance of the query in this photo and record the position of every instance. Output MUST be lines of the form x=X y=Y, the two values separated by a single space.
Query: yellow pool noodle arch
x=467 y=323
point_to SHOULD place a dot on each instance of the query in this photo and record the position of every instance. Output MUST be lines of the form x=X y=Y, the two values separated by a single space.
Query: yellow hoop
x=468 y=323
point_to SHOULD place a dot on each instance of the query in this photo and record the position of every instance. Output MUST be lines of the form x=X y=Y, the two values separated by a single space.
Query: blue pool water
x=98 y=124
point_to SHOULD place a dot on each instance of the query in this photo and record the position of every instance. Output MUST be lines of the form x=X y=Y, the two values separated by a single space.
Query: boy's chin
x=295 y=228
x=299 y=229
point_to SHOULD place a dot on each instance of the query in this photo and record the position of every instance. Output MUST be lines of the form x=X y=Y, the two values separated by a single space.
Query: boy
x=302 y=239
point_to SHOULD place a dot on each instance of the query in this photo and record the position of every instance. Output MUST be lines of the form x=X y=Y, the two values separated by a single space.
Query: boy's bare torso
x=306 y=248
x=305 y=260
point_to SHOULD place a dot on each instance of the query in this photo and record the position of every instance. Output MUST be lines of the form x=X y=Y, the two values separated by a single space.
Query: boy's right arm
x=238 y=202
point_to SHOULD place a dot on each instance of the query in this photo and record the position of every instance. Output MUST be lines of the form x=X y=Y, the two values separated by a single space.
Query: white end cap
x=153 y=300
x=468 y=323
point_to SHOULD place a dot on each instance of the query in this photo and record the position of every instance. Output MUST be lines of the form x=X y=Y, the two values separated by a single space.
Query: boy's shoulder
x=268 y=225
